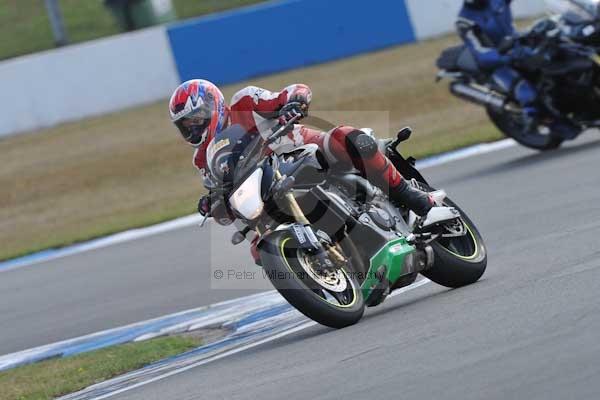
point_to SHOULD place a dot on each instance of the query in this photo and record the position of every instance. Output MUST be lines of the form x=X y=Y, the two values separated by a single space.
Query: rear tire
x=514 y=129
x=283 y=264
x=458 y=261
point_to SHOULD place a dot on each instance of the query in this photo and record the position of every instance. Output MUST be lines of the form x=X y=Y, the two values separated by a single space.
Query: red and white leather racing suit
x=257 y=110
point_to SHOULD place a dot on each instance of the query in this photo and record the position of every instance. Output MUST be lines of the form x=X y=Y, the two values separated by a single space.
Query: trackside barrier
x=133 y=69
x=282 y=35
x=83 y=80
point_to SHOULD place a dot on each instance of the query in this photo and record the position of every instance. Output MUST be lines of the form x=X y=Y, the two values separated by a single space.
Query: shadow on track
x=527 y=161
x=420 y=299
x=323 y=331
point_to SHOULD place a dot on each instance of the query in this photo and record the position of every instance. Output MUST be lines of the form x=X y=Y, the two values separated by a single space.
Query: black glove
x=507 y=44
x=300 y=96
x=214 y=205
x=521 y=53
x=291 y=110
x=204 y=205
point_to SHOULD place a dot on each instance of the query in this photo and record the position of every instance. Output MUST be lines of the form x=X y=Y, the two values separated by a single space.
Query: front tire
x=286 y=266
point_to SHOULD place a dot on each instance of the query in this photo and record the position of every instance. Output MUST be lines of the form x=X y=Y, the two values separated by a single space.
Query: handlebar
x=281 y=130
x=547 y=45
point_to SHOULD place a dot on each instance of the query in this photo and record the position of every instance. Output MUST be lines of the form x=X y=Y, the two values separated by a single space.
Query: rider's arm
x=214 y=204
x=264 y=103
x=211 y=204
x=487 y=57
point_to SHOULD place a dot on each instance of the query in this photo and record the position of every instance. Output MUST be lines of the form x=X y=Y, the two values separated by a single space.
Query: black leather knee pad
x=361 y=145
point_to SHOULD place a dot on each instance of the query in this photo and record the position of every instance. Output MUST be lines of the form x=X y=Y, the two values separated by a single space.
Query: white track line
x=118 y=238
x=231 y=352
x=228 y=353
x=192 y=220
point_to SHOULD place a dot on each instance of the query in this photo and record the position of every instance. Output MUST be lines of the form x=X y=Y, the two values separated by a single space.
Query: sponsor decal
x=299 y=231
x=220 y=144
x=214 y=147
x=258 y=95
x=396 y=248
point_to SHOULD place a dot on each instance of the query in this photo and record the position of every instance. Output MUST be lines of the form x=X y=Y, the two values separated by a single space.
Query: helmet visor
x=476 y=3
x=194 y=127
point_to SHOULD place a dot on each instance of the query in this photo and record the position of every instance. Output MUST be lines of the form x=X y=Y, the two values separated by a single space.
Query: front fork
x=306 y=236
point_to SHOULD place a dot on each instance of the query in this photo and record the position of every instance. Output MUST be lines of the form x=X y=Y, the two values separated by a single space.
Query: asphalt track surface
x=528 y=330
x=114 y=286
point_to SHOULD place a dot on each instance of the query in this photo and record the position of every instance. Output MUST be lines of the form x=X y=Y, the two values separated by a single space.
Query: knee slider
x=361 y=145
x=525 y=93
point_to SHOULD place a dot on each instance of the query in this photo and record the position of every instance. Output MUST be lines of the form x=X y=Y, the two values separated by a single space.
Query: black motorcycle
x=577 y=19
x=329 y=241
x=564 y=72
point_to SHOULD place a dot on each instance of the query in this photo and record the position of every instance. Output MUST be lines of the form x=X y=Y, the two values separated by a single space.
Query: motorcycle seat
x=457 y=58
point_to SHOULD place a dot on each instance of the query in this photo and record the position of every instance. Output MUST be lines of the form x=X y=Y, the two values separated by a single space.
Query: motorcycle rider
x=198 y=110
x=483 y=25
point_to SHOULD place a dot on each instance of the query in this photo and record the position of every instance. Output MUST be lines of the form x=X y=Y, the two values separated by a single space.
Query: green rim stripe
x=471 y=257
x=281 y=249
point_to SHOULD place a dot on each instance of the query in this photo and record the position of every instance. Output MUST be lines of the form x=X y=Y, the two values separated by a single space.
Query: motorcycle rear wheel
x=459 y=261
x=287 y=269
x=513 y=128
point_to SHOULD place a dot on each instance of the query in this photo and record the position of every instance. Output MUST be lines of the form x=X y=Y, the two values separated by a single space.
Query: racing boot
x=530 y=119
x=427 y=208
x=416 y=200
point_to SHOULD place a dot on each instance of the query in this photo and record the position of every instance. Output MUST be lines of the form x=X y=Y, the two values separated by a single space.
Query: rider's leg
x=351 y=146
x=511 y=82
x=526 y=95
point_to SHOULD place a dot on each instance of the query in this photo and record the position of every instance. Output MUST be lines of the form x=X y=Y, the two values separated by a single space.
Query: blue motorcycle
x=565 y=72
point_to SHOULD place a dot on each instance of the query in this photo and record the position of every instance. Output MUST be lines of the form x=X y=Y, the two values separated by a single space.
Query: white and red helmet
x=199 y=111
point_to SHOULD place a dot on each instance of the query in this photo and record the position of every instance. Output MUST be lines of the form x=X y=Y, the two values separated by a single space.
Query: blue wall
x=286 y=34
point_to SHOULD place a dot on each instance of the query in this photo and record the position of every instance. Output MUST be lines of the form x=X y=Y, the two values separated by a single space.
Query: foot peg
x=437 y=216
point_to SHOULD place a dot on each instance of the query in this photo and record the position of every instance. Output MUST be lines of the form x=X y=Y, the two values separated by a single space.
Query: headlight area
x=246 y=200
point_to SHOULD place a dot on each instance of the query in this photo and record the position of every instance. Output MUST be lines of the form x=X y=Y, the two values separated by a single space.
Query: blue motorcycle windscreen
x=224 y=152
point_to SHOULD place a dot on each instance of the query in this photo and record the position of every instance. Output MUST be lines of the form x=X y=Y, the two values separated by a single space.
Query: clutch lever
x=281 y=130
x=206 y=217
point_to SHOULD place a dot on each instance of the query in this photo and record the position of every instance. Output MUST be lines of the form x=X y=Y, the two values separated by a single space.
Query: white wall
x=436 y=17
x=128 y=70
x=83 y=80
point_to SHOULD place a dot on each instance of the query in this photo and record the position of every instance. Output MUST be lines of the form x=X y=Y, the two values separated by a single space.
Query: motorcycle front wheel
x=334 y=299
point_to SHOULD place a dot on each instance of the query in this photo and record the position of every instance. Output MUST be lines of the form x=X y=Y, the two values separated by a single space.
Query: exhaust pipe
x=478 y=94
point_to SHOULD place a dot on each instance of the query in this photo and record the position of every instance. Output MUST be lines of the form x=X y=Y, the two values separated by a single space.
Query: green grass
x=184 y=205
x=107 y=226
x=193 y=8
x=53 y=378
x=25 y=27
x=101 y=175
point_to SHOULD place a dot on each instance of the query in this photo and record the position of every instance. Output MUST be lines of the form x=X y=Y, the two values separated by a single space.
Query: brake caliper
x=309 y=242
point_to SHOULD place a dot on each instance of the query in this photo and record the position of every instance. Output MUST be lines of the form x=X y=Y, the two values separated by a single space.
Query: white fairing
x=438 y=196
x=438 y=215
x=247 y=200
x=579 y=10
